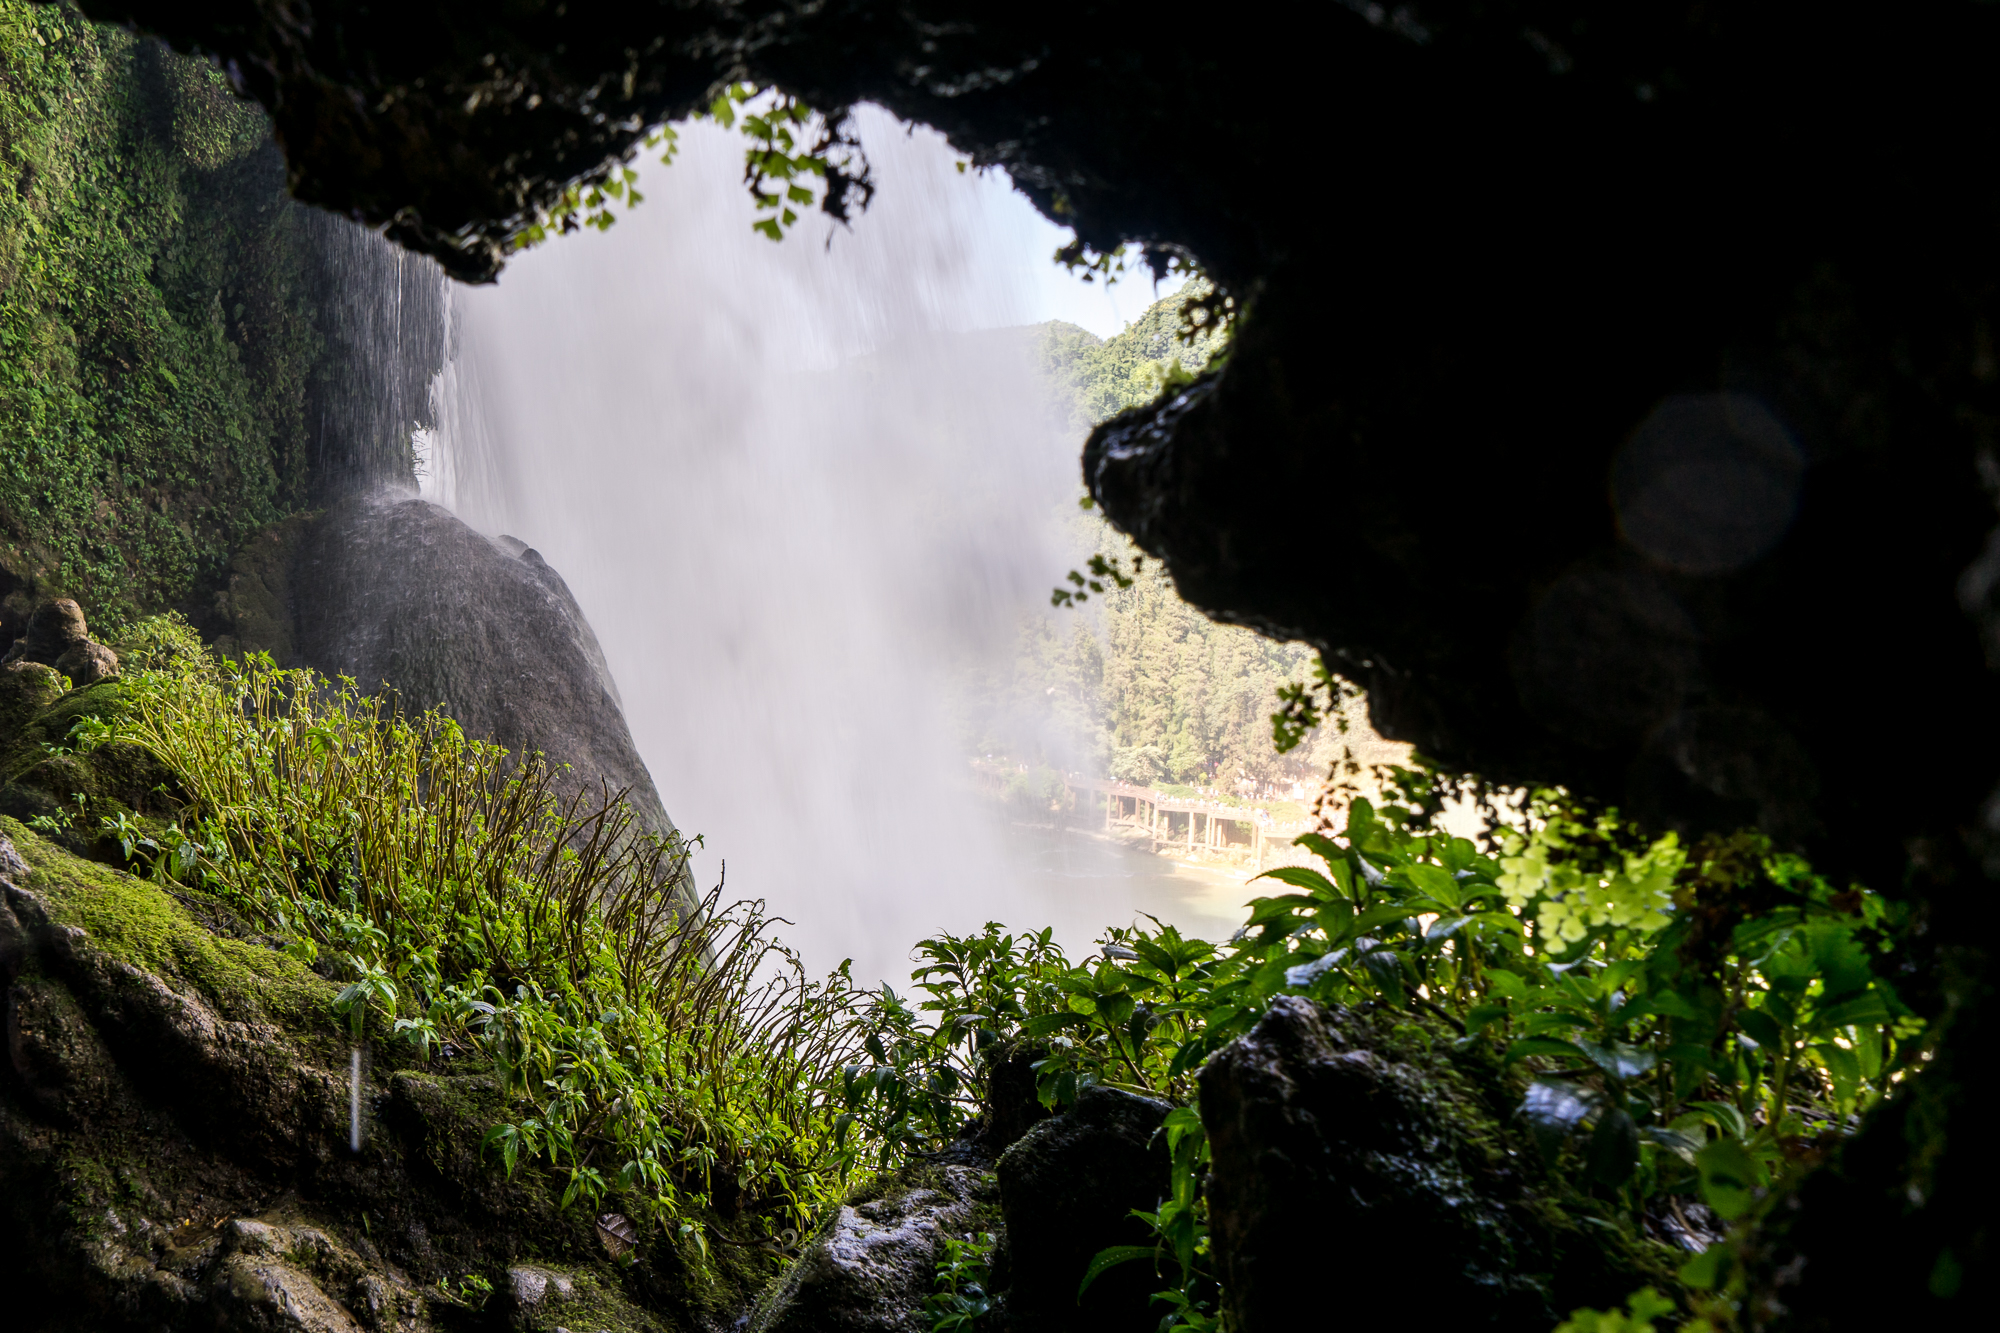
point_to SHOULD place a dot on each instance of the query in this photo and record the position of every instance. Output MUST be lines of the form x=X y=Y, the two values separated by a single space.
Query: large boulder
x=393 y=590
x=1068 y=1188
x=1337 y=1140
x=58 y=637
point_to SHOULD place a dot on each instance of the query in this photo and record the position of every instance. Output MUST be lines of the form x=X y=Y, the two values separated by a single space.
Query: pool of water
x=1081 y=882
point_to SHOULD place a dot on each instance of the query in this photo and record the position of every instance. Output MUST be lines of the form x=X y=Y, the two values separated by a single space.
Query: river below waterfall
x=1081 y=882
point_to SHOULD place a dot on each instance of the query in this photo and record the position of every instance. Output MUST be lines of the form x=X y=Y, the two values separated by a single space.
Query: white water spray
x=797 y=490
x=354 y=1099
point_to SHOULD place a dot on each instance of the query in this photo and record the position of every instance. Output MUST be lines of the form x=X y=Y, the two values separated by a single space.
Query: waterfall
x=381 y=319
x=796 y=488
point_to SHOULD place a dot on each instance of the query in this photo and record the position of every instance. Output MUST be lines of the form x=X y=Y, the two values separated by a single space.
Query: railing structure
x=1172 y=820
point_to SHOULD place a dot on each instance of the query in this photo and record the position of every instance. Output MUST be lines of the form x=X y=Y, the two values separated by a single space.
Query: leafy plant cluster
x=1685 y=1025
x=794 y=158
x=659 y=1049
x=156 y=337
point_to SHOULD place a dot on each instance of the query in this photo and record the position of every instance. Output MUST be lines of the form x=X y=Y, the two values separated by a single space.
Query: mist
x=796 y=488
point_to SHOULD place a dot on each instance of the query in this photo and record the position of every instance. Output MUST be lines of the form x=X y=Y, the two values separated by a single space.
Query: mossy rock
x=26 y=688
x=1361 y=1134
x=175 y=1143
x=70 y=786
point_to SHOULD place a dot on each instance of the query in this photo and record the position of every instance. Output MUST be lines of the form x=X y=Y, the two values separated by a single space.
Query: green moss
x=51 y=725
x=142 y=924
x=156 y=339
x=595 y=1304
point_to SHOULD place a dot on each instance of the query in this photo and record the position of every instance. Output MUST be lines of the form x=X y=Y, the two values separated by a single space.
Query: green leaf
x=1706 y=1270
x=1263 y=911
x=1865 y=1010
x=1480 y=1015
x=1844 y=1067
x=1729 y=1178
x=1841 y=961
x=1507 y=985
x=1552 y=1046
x=1385 y=968
x=1760 y=1028
x=1723 y=1116
x=1110 y=1258
x=1617 y=1059
x=1336 y=920
x=1301 y=877
x=1680 y=1145
x=1459 y=854
x=1325 y=849
x=1435 y=881
x=1380 y=916
x=1445 y=928
x=1043 y=1025
x=1669 y=1003
x=1534 y=1025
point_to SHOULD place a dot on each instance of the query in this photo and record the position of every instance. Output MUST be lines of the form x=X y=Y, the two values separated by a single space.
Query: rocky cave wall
x=1614 y=395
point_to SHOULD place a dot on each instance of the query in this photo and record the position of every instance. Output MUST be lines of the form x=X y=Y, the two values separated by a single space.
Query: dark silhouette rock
x=1067 y=1190
x=1010 y=1106
x=1333 y=1141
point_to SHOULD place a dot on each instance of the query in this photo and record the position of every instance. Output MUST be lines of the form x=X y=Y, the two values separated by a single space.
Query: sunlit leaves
x=794 y=158
x=1105 y=572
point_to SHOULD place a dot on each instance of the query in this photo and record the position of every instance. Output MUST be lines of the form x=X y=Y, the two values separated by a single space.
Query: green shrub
x=1683 y=1022
x=656 y=1048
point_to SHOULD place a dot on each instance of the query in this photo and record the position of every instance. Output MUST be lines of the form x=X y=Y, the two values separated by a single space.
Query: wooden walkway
x=1171 y=821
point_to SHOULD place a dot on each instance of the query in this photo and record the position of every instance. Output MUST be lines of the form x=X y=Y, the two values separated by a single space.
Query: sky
x=1022 y=244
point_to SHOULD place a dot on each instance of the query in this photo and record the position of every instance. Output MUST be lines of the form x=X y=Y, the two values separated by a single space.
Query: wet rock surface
x=1335 y=1140
x=874 y=1263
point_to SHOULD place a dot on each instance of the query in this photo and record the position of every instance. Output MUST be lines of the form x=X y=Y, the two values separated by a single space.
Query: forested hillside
x=1135 y=683
x=155 y=318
